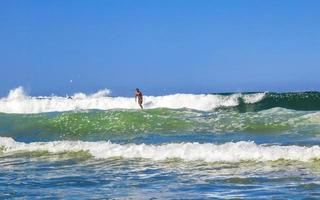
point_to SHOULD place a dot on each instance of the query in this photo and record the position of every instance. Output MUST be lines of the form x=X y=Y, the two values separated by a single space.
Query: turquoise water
x=264 y=150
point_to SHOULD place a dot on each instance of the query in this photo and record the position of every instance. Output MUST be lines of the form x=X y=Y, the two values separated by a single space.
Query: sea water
x=181 y=146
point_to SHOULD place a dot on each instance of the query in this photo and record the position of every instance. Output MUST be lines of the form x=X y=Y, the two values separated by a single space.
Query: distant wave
x=208 y=152
x=291 y=100
x=18 y=102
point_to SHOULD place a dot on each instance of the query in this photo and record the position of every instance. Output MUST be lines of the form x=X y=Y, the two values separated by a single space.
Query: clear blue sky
x=163 y=46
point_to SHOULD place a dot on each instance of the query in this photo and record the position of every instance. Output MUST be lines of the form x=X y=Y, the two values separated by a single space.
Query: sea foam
x=18 y=102
x=208 y=152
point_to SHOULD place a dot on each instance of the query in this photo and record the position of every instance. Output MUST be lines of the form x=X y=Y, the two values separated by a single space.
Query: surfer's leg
x=140 y=104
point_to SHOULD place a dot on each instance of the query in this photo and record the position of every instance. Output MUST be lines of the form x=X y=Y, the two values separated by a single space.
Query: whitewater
x=18 y=102
x=228 y=152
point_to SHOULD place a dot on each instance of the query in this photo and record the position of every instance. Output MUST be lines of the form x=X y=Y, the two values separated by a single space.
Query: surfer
x=138 y=95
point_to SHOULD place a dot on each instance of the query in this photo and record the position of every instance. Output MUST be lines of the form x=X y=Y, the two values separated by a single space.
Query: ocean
x=260 y=145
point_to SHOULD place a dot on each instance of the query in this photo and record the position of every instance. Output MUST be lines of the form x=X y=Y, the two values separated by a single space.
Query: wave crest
x=18 y=102
x=208 y=152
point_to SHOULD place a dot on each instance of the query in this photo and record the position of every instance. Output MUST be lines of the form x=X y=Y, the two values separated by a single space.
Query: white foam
x=208 y=152
x=18 y=102
x=253 y=98
x=17 y=94
x=99 y=94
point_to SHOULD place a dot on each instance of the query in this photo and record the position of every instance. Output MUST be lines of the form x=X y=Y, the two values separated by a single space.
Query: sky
x=162 y=47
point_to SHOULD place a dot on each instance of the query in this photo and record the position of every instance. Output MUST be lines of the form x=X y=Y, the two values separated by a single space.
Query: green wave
x=306 y=101
x=161 y=120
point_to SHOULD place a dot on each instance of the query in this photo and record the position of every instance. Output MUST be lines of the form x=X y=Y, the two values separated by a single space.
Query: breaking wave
x=208 y=152
x=18 y=102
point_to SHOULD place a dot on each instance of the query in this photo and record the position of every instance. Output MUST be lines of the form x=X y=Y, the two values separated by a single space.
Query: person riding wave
x=139 y=95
